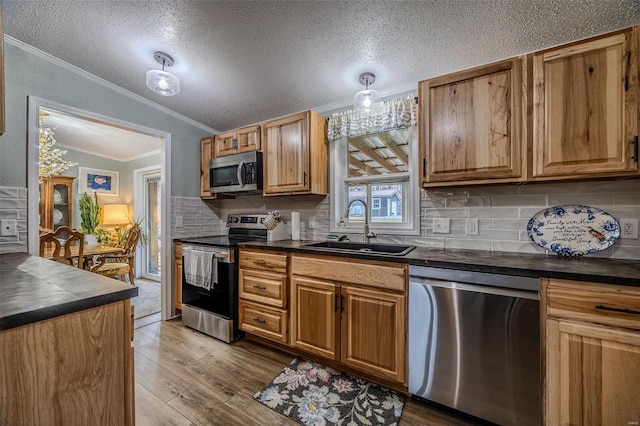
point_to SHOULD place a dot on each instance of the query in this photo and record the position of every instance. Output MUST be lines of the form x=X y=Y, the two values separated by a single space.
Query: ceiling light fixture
x=366 y=98
x=163 y=82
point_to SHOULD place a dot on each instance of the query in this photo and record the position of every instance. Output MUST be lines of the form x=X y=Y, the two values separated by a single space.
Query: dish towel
x=200 y=268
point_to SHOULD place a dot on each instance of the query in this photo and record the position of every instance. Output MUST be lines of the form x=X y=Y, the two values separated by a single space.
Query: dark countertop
x=34 y=289
x=591 y=269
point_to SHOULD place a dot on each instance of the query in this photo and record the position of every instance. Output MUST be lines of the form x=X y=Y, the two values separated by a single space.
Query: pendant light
x=366 y=98
x=163 y=82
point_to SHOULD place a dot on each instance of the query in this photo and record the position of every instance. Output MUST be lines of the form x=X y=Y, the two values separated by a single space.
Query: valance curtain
x=391 y=115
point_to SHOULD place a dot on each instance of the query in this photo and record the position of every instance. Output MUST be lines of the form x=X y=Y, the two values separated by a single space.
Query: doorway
x=148 y=183
x=108 y=123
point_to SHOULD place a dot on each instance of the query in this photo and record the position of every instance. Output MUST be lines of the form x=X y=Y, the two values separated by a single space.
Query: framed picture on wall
x=101 y=181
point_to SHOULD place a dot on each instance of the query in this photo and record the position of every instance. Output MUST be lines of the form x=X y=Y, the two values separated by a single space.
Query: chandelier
x=50 y=162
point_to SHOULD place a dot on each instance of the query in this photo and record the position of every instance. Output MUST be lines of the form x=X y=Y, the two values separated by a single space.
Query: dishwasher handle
x=476 y=288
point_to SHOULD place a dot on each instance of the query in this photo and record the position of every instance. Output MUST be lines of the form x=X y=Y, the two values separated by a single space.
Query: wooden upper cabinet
x=206 y=153
x=472 y=126
x=236 y=141
x=585 y=112
x=295 y=155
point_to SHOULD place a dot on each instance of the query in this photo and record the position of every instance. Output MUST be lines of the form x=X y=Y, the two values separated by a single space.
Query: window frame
x=339 y=181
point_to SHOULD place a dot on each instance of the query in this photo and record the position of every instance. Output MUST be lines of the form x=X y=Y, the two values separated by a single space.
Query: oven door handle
x=241 y=174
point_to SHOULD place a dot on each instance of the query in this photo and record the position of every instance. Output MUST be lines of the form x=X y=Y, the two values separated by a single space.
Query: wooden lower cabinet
x=593 y=374
x=592 y=354
x=373 y=337
x=177 y=271
x=264 y=321
x=262 y=290
x=73 y=369
x=362 y=327
x=315 y=320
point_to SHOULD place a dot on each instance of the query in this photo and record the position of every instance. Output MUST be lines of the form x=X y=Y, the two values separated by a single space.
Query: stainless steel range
x=210 y=274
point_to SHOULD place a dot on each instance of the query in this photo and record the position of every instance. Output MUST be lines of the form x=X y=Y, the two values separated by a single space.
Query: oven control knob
x=232 y=219
x=262 y=220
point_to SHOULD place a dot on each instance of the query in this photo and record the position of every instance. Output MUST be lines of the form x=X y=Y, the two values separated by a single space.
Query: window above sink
x=375 y=161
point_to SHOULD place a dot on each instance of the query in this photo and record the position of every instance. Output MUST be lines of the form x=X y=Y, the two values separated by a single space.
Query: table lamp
x=115 y=215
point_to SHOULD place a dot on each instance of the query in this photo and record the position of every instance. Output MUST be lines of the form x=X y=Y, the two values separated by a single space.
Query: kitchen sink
x=362 y=248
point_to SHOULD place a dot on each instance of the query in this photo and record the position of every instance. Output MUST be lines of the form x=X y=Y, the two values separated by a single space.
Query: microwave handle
x=240 y=174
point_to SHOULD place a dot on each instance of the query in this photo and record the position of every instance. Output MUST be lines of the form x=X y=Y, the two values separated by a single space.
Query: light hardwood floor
x=184 y=377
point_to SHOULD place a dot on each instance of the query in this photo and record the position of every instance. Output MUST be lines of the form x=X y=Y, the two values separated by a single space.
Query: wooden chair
x=51 y=246
x=120 y=265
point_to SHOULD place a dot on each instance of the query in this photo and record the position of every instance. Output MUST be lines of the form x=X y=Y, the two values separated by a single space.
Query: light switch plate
x=179 y=221
x=8 y=228
x=441 y=226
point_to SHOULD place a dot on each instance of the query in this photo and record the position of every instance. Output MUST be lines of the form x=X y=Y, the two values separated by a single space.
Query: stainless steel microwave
x=236 y=173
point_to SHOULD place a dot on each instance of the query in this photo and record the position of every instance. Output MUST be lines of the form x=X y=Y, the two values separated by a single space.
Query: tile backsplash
x=502 y=212
x=13 y=206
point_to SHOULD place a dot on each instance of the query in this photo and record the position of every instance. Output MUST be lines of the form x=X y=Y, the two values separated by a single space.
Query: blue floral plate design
x=573 y=230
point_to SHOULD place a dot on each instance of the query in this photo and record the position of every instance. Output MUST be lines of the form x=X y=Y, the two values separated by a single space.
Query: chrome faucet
x=367 y=235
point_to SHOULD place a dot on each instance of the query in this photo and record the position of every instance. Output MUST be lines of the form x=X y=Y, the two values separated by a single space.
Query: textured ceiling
x=99 y=139
x=241 y=62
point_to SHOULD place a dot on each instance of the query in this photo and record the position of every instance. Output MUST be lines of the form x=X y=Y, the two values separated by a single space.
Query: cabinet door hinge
x=342 y=303
x=424 y=167
x=634 y=157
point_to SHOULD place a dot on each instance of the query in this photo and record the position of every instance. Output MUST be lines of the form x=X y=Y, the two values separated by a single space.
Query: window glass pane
x=356 y=209
x=387 y=203
x=379 y=154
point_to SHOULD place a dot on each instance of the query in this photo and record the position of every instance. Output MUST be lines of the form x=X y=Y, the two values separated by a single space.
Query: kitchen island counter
x=34 y=289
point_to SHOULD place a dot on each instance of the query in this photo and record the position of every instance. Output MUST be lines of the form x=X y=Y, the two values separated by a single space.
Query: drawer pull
x=260 y=262
x=259 y=287
x=624 y=311
x=260 y=320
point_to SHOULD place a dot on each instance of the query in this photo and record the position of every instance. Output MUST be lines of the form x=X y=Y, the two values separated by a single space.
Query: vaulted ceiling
x=241 y=62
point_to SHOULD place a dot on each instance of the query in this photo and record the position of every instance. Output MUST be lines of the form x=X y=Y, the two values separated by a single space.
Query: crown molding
x=50 y=58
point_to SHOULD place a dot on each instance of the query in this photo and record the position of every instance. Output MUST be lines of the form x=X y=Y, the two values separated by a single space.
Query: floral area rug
x=315 y=395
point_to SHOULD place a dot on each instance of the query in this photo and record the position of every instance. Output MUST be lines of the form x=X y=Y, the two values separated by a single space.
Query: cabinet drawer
x=263 y=321
x=263 y=287
x=604 y=304
x=373 y=274
x=264 y=260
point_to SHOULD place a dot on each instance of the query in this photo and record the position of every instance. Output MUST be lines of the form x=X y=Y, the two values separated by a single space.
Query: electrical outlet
x=8 y=228
x=629 y=228
x=179 y=221
x=441 y=226
x=472 y=226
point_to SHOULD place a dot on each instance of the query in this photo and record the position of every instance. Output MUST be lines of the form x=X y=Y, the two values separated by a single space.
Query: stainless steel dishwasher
x=474 y=343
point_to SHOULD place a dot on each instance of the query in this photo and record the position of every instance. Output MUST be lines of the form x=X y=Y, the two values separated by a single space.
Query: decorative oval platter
x=573 y=230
